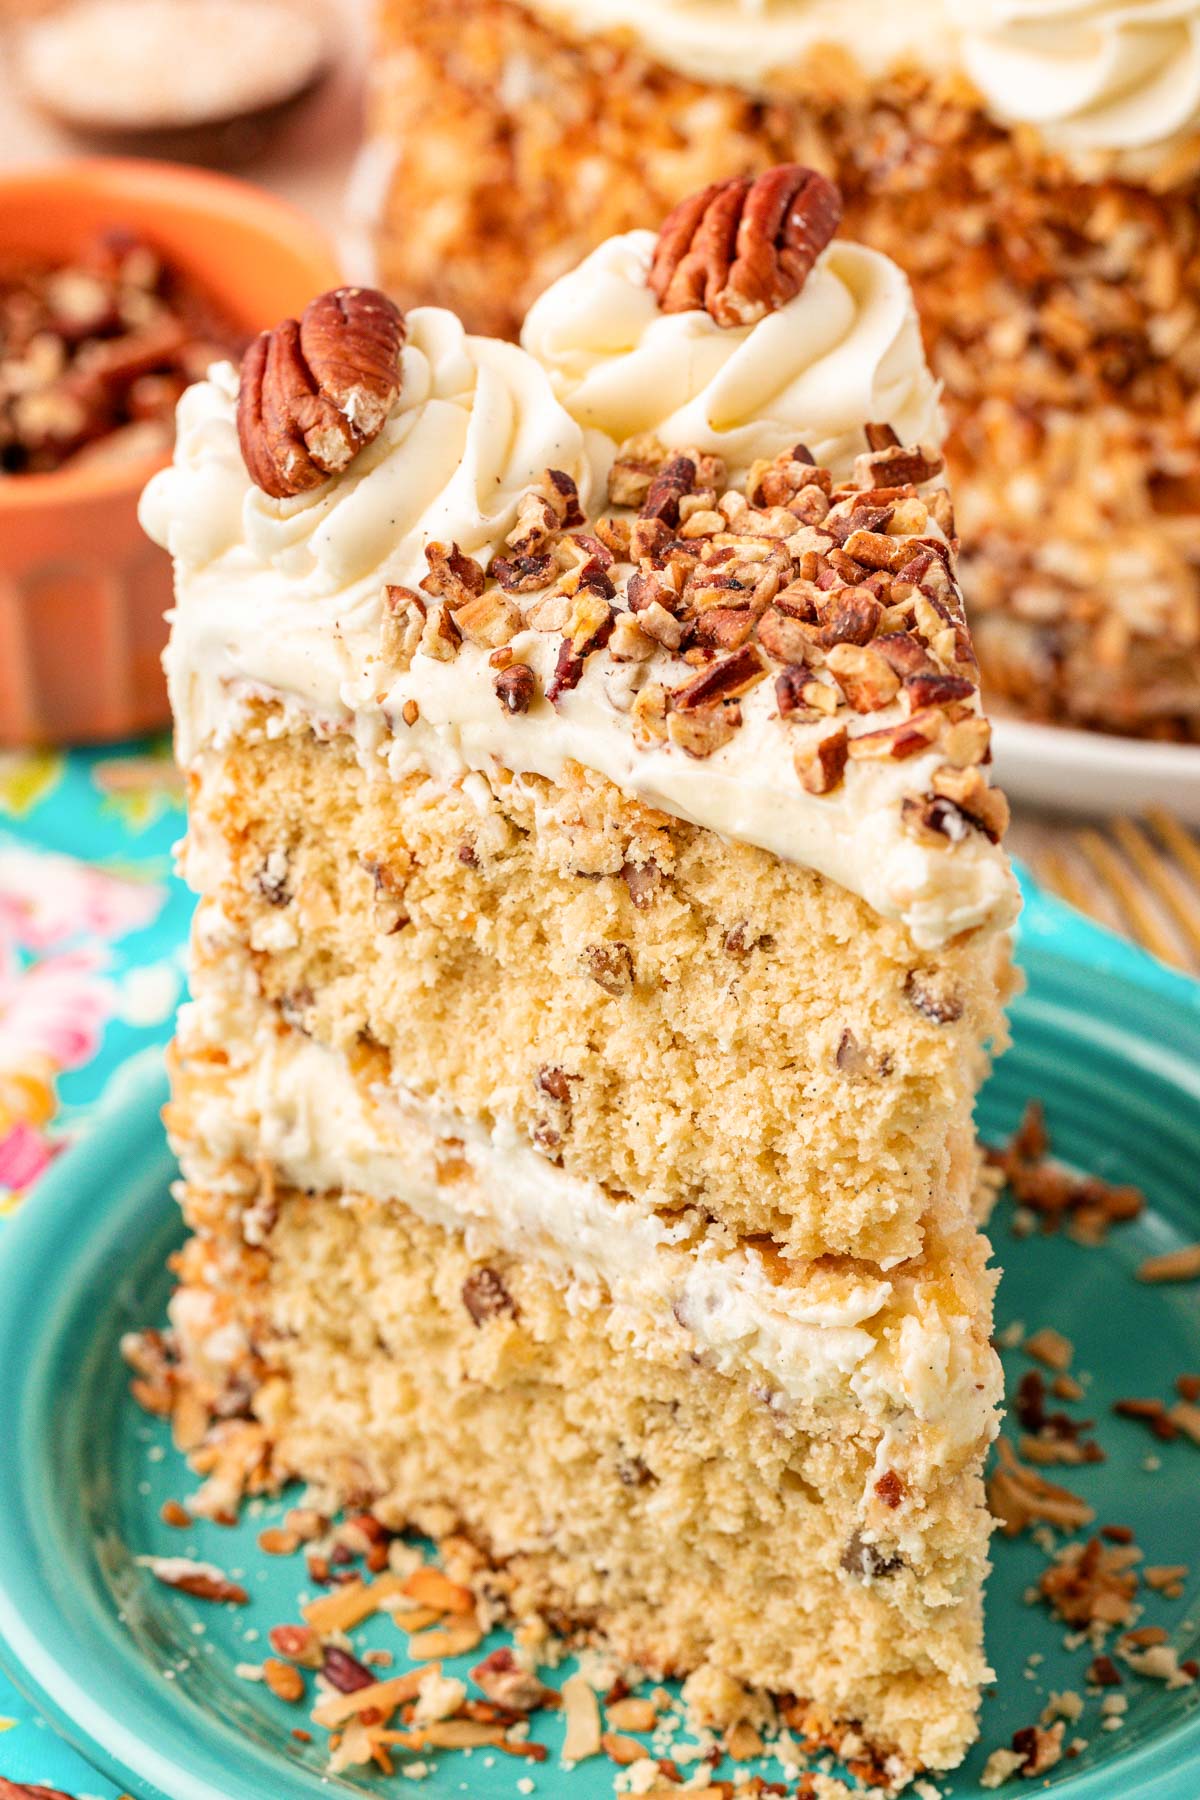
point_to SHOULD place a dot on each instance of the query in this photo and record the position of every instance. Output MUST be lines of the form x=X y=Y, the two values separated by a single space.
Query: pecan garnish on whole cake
x=315 y=392
x=743 y=248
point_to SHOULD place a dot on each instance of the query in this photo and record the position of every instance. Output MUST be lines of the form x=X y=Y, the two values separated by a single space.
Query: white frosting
x=1116 y=76
x=841 y=1334
x=283 y=599
x=847 y=349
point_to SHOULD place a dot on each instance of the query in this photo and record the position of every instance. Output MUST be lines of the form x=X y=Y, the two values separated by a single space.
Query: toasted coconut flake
x=582 y=1720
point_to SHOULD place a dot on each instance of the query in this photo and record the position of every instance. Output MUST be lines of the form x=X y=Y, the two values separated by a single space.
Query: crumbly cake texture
x=1058 y=307
x=742 y=1037
x=603 y=935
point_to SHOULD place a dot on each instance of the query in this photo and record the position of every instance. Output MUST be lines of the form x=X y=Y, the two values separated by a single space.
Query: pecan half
x=314 y=393
x=743 y=248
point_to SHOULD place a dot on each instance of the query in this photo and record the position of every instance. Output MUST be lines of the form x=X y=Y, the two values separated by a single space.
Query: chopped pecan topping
x=822 y=763
x=451 y=573
x=667 y=487
x=515 y=688
x=526 y=574
x=314 y=393
x=440 y=636
x=726 y=679
x=850 y=615
x=403 y=622
x=704 y=730
x=564 y=498
x=897 y=742
x=485 y=1297
x=743 y=248
x=489 y=620
x=868 y=682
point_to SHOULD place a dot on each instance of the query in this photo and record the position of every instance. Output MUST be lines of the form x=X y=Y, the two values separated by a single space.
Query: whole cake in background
x=603 y=928
x=1033 y=165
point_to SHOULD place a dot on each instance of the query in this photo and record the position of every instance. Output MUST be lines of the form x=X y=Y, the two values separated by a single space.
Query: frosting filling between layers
x=903 y=1344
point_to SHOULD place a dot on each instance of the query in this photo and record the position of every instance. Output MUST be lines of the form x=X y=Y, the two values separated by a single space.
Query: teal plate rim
x=69 y=1653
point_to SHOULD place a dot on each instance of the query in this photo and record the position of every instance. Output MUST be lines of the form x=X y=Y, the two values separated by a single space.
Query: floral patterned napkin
x=92 y=930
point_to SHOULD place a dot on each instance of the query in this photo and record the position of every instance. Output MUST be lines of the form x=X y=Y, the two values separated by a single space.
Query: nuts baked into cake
x=1034 y=167
x=603 y=930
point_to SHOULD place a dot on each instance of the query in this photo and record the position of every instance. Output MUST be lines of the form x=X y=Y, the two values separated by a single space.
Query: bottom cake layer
x=677 y=1512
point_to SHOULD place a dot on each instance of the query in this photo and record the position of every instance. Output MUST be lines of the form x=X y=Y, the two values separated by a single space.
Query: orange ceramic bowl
x=82 y=590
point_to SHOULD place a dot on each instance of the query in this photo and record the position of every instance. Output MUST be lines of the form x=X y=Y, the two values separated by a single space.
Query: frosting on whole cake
x=1119 y=76
x=284 y=599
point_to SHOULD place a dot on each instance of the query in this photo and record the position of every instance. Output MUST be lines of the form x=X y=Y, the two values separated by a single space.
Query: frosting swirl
x=1118 y=77
x=845 y=350
x=1093 y=75
x=475 y=425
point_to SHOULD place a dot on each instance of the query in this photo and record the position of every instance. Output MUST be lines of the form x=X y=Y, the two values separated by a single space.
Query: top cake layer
x=774 y=650
x=1097 y=78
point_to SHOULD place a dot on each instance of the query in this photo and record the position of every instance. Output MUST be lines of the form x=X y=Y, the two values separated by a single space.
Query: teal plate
x=144 y=1681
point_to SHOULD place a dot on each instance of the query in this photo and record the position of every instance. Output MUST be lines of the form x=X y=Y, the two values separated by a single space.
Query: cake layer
x=625 y=1486
x=833 y=1333
x=685 y=1021
x=1058 y=301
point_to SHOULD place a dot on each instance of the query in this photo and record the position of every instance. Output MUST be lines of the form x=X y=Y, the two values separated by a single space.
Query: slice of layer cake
x=1034 y=167
x=602 y=934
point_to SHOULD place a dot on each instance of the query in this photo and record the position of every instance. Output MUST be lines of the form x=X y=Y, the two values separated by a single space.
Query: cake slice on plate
x=602 y=933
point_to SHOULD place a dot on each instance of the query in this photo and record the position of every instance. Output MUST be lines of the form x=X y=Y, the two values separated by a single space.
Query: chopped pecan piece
x=515 y=688
x=821 y=764
x=563 y=495
x=934 y=689
x=932 y=993
x=726 y=679
x=897 y=742
x=868 y=682
x=201 y=1580
x=630 y=641
x=788 y=639
x=676 y=478
x=875 y=550
x=610 y=966
x=526 y=574
x=440 y=636
x=452 y=574
x=985 y=806
x=850 y=615
x=485 y=1297
x=743 y=248
x=505 y=1682
x=403 y=623
x=489 y=619
x=644 y=881
x=933 y=820
x=704 y=730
